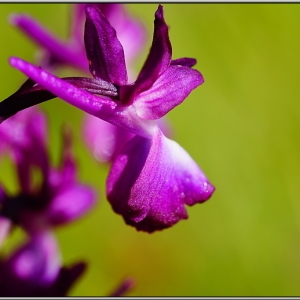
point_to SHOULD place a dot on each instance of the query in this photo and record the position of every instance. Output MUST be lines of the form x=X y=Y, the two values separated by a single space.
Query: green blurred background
x=242 y=127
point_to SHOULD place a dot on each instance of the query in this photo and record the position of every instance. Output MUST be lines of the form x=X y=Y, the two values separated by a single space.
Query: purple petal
x=60 y=51
x=131 y=33
x=69 y=204
x=150 y=181
x=101 y=107
x=171 y=88
x=160 y=54
x=185 y=61
x=104 y=139
x=104 y=51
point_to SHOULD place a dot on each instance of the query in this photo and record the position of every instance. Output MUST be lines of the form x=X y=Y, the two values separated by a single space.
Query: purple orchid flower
x=104 y=139
x=59 y=198
x=35 y=270
x=152 y=178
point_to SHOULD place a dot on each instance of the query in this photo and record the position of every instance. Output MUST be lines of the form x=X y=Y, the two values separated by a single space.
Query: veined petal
x=150 y=182
x=101 y=107
x=130 y=32
x=170 y=89
x=104 y=51
x=59 y=50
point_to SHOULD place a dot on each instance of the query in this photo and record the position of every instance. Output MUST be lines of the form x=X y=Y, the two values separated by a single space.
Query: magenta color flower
x=153 y=178
x=106 y=141
x=59 y=198
x=35 y=270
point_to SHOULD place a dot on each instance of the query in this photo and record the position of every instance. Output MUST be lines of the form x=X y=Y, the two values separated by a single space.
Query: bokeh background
x=242 y=126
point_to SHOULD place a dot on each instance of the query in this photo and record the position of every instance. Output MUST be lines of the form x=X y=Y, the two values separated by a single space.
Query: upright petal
x=160 y=54
x=168 y=91
x=150 y=181
x=104 y=51
x=130 y=31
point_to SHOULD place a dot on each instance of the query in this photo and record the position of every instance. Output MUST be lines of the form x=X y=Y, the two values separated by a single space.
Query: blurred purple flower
x=152 y=178
x=23 y=135
x=72 y=51
x=58 y=198
x=34 y=270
